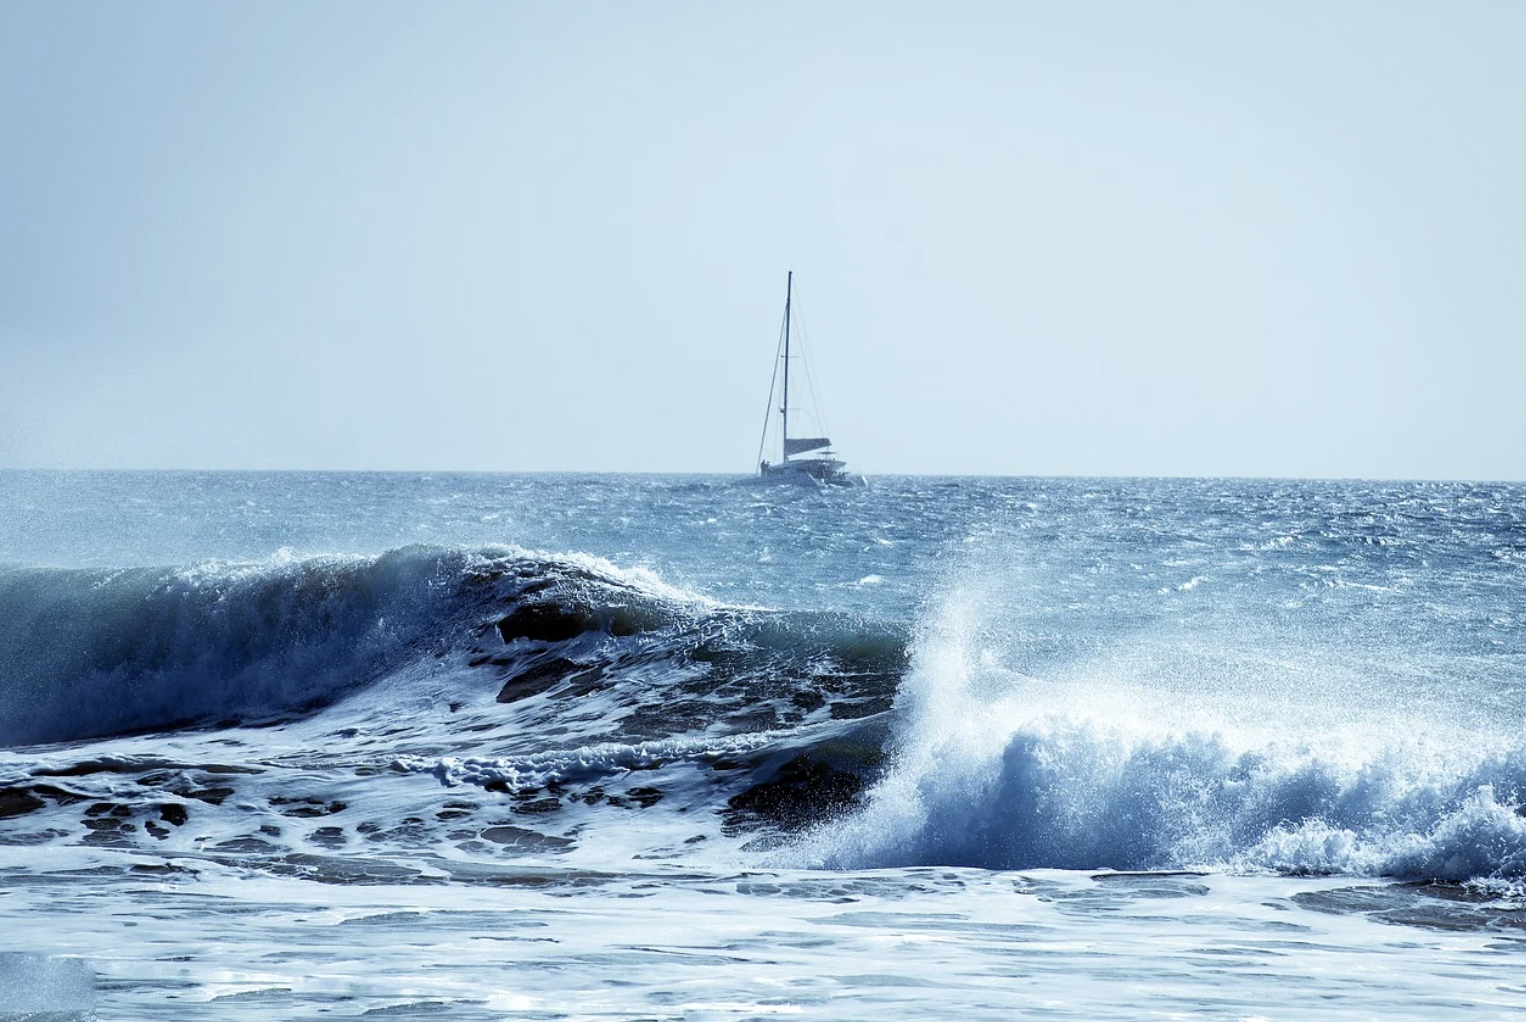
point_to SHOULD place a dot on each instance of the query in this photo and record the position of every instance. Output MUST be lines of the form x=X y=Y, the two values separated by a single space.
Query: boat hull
x=821 y=471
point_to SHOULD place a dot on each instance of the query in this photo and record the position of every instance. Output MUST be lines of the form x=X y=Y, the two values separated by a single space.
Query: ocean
x=483 y=747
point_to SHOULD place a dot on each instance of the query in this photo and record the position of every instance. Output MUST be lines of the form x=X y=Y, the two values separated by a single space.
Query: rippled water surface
x=321 y=745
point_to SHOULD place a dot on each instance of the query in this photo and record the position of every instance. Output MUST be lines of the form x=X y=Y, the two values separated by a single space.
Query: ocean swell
x=87 y=653
x=92 y=653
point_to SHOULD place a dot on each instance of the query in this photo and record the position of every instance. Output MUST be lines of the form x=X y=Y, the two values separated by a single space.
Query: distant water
x=569 y=747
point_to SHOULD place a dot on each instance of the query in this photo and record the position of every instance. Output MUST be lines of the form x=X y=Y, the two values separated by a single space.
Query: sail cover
x=801 y=444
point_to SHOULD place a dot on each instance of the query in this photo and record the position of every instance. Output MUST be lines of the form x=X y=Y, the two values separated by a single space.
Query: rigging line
x=768 y=412
x=810 y=377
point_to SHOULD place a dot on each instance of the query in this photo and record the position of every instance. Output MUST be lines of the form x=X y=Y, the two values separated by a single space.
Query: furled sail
x=801 y=444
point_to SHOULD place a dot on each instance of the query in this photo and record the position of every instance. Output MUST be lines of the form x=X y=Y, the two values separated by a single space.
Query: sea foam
x=988 y=769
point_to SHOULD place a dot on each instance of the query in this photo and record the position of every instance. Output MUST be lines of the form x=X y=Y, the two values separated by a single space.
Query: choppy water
x=317 y=745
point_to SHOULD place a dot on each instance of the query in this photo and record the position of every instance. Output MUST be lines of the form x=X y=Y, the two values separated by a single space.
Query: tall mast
x=789 y=287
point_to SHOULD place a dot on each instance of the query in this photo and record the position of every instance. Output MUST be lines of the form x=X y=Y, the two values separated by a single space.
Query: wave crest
x=993 y=780
x=88 y=653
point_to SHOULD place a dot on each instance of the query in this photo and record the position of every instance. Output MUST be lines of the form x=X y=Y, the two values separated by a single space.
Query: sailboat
x=801 y=458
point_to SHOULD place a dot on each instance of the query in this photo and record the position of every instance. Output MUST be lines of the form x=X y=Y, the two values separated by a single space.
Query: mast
x=789 y=287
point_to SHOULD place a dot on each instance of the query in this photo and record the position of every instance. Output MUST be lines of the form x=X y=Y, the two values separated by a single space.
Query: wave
x=1070 y=797
x=91 y=654
x=1002 y=780
x=823 y=739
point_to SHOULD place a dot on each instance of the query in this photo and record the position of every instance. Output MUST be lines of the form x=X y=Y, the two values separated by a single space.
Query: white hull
x=822 y=471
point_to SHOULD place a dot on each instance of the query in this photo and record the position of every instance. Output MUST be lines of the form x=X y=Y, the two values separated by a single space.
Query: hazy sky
x=1046 y=238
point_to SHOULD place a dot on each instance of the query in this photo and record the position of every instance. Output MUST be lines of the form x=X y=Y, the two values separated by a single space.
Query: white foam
x=40 y=987
x=994 y=769
x=540 y=769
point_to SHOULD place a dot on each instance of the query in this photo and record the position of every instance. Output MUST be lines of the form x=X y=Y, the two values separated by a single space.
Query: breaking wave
x=815 y=738
x=93 y=653
x=1001 y=780
x=90 y=654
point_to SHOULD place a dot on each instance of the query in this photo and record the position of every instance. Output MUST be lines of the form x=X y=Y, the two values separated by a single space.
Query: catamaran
x=801 y=458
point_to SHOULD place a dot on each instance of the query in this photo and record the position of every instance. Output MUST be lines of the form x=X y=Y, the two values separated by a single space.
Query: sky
x=1028 y=238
